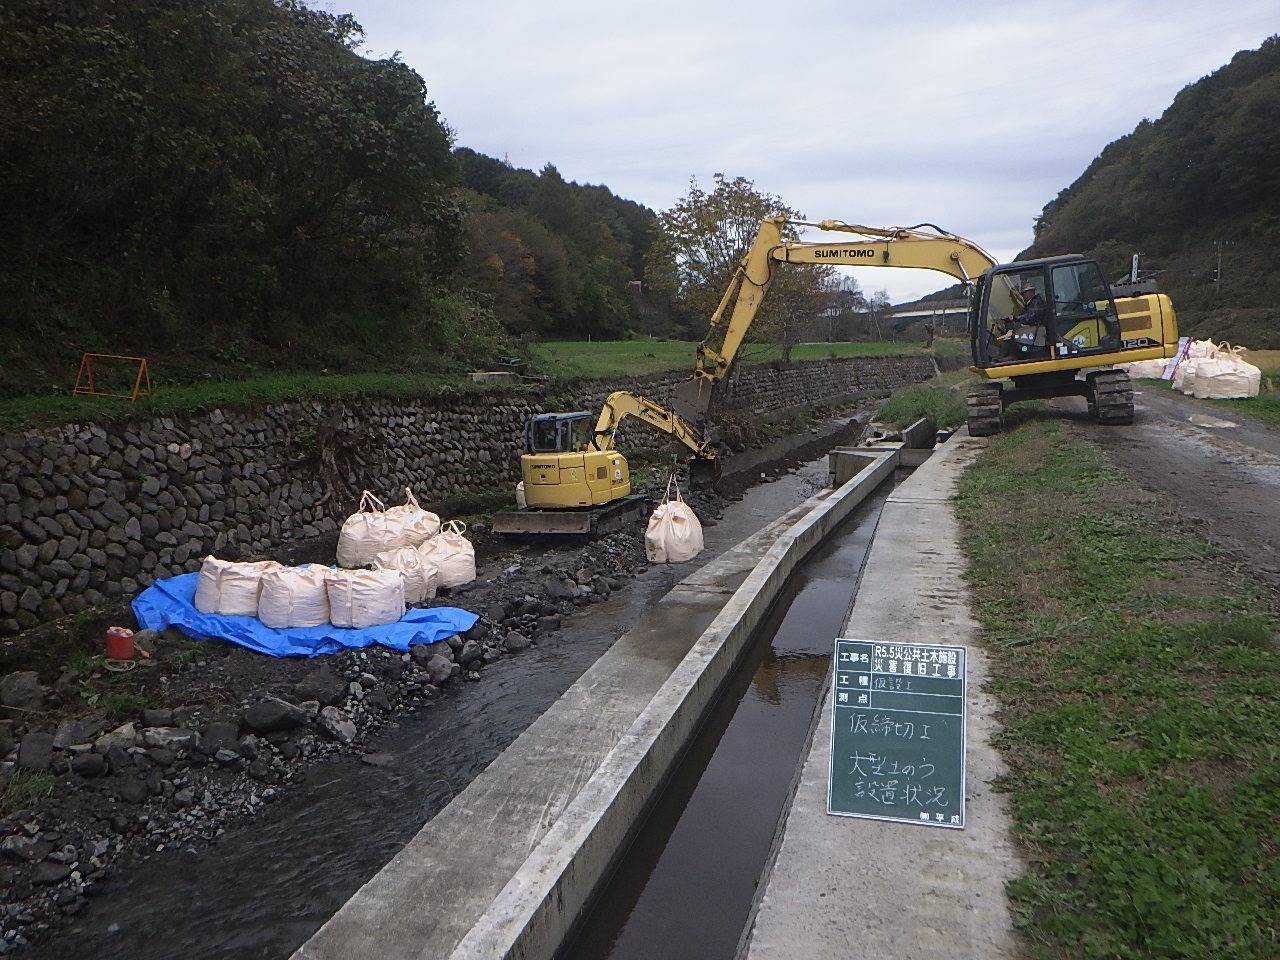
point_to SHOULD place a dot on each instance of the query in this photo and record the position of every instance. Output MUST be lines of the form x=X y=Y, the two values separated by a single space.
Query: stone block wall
x=90 y=512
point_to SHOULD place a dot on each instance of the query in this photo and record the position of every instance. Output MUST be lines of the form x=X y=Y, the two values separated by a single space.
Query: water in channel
x=270 y=882
x=684 y=889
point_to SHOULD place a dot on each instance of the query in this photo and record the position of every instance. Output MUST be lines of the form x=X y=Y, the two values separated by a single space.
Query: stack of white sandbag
x=231 y=589
x=307 y=596
x=375 y=529
x=674 y=534
x=1216 y=372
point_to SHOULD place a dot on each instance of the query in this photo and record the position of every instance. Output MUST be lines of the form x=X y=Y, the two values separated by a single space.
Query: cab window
x=1079 y=290
x=581 y=437
x=1005 y=300
x=544 y=436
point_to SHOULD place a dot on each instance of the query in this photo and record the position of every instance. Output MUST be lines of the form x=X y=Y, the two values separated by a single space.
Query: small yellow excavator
x=574 y=481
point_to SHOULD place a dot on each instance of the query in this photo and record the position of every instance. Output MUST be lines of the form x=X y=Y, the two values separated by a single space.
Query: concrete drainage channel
x=508 y=868
x=685 y=886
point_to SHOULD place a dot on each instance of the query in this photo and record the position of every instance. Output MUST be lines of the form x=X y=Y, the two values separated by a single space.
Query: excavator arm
x=620 y=404
x=922 y=247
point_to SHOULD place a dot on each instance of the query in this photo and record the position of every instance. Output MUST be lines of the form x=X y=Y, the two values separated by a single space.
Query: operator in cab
x=1026 y=333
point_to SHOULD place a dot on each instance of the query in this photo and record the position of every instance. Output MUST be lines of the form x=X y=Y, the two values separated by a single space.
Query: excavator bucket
x=691 y=400
x=704 y=473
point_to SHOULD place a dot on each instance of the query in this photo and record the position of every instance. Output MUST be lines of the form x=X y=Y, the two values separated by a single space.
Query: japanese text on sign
x=897 y=733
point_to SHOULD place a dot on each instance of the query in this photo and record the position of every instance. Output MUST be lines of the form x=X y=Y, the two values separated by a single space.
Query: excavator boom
x=621 y=404
x=906 y=247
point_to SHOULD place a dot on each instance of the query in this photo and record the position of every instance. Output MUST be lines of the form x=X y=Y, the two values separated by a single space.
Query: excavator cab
x=563 y=465
x=1054 y=309
x=558 y=432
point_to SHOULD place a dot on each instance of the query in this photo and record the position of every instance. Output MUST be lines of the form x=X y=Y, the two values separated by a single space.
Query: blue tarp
x=171 y=603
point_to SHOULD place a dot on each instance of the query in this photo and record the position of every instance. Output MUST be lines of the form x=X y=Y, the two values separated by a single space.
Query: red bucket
x=119 y=643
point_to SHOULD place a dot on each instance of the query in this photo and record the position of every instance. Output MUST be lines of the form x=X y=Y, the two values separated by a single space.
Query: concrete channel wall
x=842 y=886
x=541 y=826
x=94 y=511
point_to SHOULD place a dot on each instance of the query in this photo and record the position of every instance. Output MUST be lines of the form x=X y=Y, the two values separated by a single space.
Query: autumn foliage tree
x=701 y=239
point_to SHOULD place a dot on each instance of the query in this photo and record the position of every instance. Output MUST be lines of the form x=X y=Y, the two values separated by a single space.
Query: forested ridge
x=229 y=187
x=1198 y=187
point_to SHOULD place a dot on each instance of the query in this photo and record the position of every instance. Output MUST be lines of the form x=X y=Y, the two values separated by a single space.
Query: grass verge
x=941 y=398
x=1139 y=681
x=24 y=413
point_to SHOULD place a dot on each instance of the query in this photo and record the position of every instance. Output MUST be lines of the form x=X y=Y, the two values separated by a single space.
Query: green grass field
x=605 y=358
x=563 y=360
x=1138 y=675
x=23 y=413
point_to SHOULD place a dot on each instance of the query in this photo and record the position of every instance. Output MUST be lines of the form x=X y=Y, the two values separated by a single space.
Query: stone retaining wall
x=94 y=511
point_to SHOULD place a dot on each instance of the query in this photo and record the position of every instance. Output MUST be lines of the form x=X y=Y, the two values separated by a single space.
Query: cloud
x=886 y=114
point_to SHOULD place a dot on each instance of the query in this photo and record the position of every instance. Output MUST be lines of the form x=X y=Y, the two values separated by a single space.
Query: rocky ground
x=101 y=764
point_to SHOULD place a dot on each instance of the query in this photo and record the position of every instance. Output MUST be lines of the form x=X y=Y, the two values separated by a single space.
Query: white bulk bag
x=1226 y=376
x=294 y=597
x=1145 y=369
x=412 y=524
x=451 y=554
x=364 y=598
x=366 y=533
x=229 y=588
x=1202 y=350
x=674 y=534
x=522 y=502
x=419 y=575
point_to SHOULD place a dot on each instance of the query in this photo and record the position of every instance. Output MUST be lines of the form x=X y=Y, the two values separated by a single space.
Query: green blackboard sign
x=897 y=733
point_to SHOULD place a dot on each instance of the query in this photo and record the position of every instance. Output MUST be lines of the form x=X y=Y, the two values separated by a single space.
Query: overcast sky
x=971 y=116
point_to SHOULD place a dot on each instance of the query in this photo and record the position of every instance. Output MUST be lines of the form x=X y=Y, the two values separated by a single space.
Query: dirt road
x=1220 y=471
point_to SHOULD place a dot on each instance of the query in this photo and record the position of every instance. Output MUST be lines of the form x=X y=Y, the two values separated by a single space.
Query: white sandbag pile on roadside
x=366 y=533
x=411 y=523
x=1228 y=376
x=364 y=598
x=420 y=575
x=674 y=534
x=452 y=554
x=230 y=588
x=294 y=597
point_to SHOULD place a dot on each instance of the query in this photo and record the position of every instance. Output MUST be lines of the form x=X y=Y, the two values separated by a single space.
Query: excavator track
x=590 y=523
x=1111 y=397
x=985 y=409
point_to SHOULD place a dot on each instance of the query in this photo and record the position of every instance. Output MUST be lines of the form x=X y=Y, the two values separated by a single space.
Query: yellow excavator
x=573 y=479
x=1053 y=327
x=1049 y=326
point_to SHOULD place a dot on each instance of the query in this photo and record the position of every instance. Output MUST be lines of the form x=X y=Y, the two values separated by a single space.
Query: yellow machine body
x=1148 y=325
x=586 y=479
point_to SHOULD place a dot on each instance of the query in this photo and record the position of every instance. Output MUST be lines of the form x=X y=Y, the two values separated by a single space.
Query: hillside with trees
x=1197 y=194
x=552 y=257
x=230 y=188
